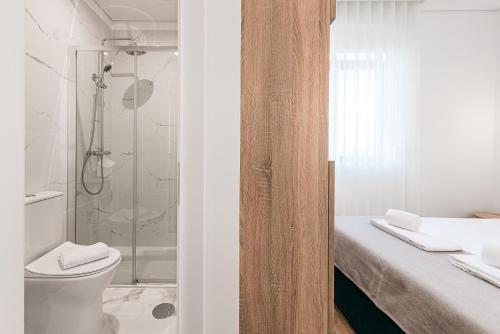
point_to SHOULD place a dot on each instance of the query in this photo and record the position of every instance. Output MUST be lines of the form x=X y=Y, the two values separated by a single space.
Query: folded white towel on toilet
x=83 y=254
x=402 y=219
x=491 y=255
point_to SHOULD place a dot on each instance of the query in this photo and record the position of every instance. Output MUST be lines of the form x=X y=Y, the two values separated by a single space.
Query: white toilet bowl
x=66 y=301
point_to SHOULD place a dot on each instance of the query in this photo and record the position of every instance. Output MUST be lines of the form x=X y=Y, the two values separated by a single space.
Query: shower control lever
x=99 y=153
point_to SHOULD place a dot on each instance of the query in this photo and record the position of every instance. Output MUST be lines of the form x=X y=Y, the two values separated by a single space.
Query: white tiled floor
x=128 y=310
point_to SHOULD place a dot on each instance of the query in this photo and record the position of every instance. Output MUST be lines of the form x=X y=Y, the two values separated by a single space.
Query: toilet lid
x=48 y=265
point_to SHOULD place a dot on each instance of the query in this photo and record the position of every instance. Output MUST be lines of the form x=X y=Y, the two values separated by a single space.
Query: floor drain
x=163 y=311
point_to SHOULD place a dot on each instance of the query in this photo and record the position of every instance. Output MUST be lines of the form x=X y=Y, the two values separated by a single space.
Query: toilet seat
x=48 y=265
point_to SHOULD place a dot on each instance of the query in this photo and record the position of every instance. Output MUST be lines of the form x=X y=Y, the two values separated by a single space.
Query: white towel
x=403 y=219
x=491 y=255
x=418 y=239
x=474 y=265
x=83 y=254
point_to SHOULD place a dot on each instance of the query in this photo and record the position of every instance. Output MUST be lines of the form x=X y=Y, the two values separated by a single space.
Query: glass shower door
x=157 y=167
x=107 y=216
x=136 y=121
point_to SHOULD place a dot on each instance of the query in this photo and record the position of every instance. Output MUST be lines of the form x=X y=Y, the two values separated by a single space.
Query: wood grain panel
x=333 y=10
x=284 y=172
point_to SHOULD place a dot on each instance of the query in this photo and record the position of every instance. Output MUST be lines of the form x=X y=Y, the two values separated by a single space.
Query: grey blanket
x=422 y=292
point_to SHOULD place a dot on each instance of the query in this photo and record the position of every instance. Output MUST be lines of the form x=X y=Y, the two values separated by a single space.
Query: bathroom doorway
x=125 y=162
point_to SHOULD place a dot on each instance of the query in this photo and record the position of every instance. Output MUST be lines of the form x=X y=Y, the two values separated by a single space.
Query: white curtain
x=374 y=124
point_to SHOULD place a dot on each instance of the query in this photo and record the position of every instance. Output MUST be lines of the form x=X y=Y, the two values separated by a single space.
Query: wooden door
x=284 y=231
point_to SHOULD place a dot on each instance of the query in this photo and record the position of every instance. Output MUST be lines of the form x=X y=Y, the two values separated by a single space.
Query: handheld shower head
x=99 y=80
x=106 y=68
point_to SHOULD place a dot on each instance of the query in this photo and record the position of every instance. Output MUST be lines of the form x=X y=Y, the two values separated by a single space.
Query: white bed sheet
x=470 y=233
x=421 y=291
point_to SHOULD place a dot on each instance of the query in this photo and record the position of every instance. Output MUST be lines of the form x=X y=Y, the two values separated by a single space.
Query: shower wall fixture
x=97 y=105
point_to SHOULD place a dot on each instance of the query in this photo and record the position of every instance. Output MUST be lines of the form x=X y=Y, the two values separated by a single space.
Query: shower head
x=106 y=68
x=135 y=52
x=99 y=80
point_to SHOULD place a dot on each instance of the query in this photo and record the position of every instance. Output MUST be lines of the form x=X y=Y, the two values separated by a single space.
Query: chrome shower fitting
x=98 y=104
x=104 y=40
x=99 y=82
x=99 y=79
x=98 y=153
x=135 y=52
x=132 y=43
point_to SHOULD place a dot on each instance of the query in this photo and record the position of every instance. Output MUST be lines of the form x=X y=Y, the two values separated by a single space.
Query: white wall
x=209 y=154
x=497 y=119
x=461 y=4
x=51 y=27
x=12 y=184
x=222 y=178
x=191 y=155
x=458 y=62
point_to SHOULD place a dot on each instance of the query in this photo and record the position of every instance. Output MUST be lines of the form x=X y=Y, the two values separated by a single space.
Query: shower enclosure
x=123 y=152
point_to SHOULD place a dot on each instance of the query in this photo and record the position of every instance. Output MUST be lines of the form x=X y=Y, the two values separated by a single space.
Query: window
x=373 y=120
x=356 y=105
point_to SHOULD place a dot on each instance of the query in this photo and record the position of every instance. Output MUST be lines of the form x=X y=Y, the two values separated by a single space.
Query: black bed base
x=361 y=313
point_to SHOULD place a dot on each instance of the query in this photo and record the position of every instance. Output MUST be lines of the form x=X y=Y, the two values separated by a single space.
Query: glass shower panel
x=107 y=216
x=157 y=166
x=135 y=117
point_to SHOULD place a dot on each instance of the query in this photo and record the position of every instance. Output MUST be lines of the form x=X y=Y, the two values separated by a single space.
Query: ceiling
x=461 y=4
x=139 y=10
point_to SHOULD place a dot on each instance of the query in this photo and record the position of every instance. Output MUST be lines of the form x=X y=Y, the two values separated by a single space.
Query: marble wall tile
x=51 y=27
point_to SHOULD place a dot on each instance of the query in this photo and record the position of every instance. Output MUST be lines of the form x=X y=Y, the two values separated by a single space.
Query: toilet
x=60 y=301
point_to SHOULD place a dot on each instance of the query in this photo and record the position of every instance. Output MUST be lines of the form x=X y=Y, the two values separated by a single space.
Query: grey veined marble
x=129 y=310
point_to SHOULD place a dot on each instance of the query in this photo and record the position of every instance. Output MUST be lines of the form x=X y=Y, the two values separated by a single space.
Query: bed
x=384 y=285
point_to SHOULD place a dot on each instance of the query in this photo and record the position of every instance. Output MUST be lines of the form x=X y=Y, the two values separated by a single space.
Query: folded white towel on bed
x=402 y=219
x=83 y=254
x=474 y=265
x=418 y=239
x=491 y=255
